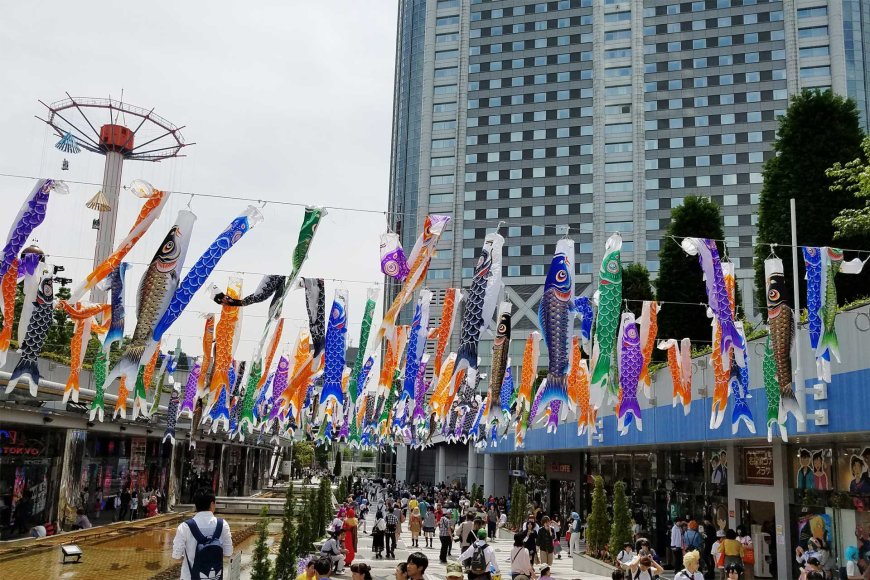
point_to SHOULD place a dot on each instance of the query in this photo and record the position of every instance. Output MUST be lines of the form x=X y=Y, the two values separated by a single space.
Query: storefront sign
x=560 y=467
x=137 y=454
x=14 y=443
x=758 y=465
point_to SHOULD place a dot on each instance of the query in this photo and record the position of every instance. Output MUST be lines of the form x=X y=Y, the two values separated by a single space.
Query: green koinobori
x=609 y=298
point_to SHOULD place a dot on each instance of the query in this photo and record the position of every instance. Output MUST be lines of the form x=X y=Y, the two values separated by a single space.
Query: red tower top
x=116 y=138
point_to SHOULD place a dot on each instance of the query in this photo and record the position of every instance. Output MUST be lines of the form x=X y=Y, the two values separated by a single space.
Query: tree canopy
x=680 y=278
x=818 y=131
x=636 y=287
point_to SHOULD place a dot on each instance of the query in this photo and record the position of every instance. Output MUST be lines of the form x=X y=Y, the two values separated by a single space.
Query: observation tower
x=118 y=131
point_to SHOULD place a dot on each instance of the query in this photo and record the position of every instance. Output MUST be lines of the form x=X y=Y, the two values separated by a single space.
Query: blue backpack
x=208 y=562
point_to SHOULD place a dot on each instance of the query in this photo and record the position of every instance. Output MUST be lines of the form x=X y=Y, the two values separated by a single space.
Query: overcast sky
x=286 y=100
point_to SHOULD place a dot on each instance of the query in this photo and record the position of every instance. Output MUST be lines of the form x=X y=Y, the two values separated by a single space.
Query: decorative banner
x=416 y=347
x=648 y=330
x=331 y=397
x=587 y=316
x=171 y=417
x=498 y=370
x=82 y=318
x=578 y=384
x=8 y=289
x=203 y=268
x=98 y=404
x=31 y=266
x=608 y=298
x=157 y=285
x=68 y=144
x=143 y=384
x=116 y=285
x=441 y=335
x=780 y=318
x=37 y=330
x=771 y=389
x=480 y=305
x=315 y=302
x=443 y=393
x=556 y=316
x=717 y=295
x=147 y=215
x=418 y=264
x=190 y=390
x=362 y=346
x=207 y=347
x=393 y=261
x=30 y=216
x=528 y=373
x=225 y=334
x=738 y=383
x=310 y=222
x=813 y=469
x=680 y=365
x=630 y=366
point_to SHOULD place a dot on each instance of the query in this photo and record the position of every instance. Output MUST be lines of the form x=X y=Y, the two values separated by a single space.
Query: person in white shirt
x=520 y=563
x=184 y=544
x=677 y=542
x=488 y=553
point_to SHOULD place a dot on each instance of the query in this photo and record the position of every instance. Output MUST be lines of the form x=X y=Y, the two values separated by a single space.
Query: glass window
x=617 y=91
x=445 y=90
x=447 y=20
x=813 y=32
x=443 y=161
x=439 y=274
x=620 y=71
x=617 y=16
x=617 y=128
x=437 y=198
x=618 y=206
x=443 y=143
x=616 y=35
x=444 y=108
x=617 y=53
x=618 y=147
x=441 y=180
x=619 y=187
x=815 y=71
x=441 y=73
x=621 y=227
x=444 y=125
x=811 y=12
x=443 y=38
x=814 y=51
x=618 y=167
x=446 y=54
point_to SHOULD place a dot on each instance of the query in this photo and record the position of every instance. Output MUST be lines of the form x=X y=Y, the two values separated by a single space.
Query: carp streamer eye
x=773 y=294
x=612 y=267
x=502 y=328
x=561 y=276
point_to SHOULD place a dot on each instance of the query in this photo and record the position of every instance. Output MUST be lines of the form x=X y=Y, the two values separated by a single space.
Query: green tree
x=336 y=470
x=321 y=456
x=303 y=455
x=285 y=563
x=519 y=505
x=818 y=131
x=636 y=287
x=598 y=527
x=620 y=528
x=853 y=177
x=261 y=566
x=324 y=499
x=680 y=278
x=305 y=533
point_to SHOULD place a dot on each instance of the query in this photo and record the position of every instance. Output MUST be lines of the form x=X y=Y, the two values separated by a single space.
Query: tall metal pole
x=800 y=387
x=109 y=219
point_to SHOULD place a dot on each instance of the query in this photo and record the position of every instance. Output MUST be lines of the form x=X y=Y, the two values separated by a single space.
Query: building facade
x=599 y=116
x=594 y=117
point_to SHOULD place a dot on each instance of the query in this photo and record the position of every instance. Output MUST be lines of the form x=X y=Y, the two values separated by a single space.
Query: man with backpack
x=203 y=541
x=479 y=558
x=392 y=522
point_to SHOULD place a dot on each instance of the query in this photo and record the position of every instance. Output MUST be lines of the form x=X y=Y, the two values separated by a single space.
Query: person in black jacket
x=531 y=539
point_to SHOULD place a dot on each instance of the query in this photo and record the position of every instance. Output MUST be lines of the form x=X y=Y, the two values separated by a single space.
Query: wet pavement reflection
x=128 y=554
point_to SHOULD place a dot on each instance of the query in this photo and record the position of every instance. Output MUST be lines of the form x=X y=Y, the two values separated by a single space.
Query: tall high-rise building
x=599 y=116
